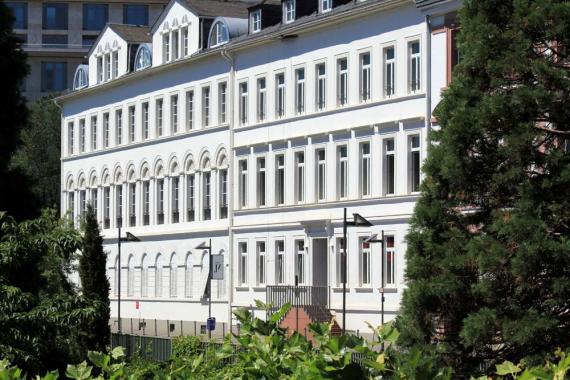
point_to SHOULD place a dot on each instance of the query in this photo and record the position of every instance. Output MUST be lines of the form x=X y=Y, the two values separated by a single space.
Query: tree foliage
x=488 y=260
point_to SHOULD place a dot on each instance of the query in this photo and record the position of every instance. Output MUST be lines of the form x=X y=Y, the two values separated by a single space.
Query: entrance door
x=320 y=262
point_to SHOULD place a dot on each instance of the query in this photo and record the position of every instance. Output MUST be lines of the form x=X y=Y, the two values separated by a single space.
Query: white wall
x=108 y=42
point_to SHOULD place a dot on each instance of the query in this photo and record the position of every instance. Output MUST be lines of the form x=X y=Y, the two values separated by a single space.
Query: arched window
x=189 y=267
x=219 y=34
x=144 y=276
x=158 y=276
x=190 y=191
x=143 y=57
x=206 y=189
x=223 y=185
x=173 y=276
x=81 y=77
x=130 y=277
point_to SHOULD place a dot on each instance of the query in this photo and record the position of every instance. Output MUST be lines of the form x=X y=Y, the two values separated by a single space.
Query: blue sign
x=211 y=324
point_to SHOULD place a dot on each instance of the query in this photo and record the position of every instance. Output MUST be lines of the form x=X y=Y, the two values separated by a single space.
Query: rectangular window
x=414 y=163
x=300 y=261
x=81 y=135
x=71 y=204
x=206 y=106
x=174 y=113
x=243 y=103
x=280 y=95
x=54 y=76
x=339 y=261
x=365 y=169
x=191 y=197
x=119 y=201
x=185 y=41
x=389 y=71
x=389 y=167
x=106 y=207
x=106 y=130
x=94 y=201
x=88 y=41
x=390 y=262
x=135 y=14
x=342 y=81
x=300 y=177
x=261 y=181
x=20 y=13
x=261 y=99
x=144 y=117
x=159 y=117
x=300 y=91
x=255 y=21
x=94 y=132
x=82 y=203
x=160 y=200
x=54 y=16
x=414 y=68
x=342 y=172
x=166 y=47
x=55 y=40
x=321 y=87
x=289 y=10
x=115 y=55
x=242 y=263
x=146 y=203
x=119 y=127
x=326 y=5
x=261 y=263
x=175 y=199
x=223 y=193
x=364 y=263
x=70 y=137
x=132 y=124
x=222 y=102
x=175 y=51
x=280 y=262
x=243 y=183
x=321 y=174
x=280 y=179
x=132 y=204
x=100 y=70
x=189 y=110
x=107 y=58
x=365 y=81
x=95 y=16
x=207 y=195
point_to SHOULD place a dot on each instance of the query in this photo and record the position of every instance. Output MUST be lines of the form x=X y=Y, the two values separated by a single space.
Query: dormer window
x=166 y=47
x=326 y=5
x=219 y=34
x=80 y=80
x=143 y=58
x=256 y=21
x=289 y=10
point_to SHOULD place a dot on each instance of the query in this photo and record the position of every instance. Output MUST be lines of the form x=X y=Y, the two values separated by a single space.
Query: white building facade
x=255 y=124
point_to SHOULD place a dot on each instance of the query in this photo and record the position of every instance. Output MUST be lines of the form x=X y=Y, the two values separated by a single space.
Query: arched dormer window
x=143 y=58
x=81 y=77
x=219 y=34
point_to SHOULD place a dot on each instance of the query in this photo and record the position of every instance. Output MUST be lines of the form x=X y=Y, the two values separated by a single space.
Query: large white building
x=254 y=124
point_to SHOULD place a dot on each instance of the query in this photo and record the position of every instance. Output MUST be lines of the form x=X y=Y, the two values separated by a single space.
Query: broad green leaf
x=507 y=368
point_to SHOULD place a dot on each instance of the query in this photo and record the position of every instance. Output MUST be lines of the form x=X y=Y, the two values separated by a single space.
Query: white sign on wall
x=217 y=267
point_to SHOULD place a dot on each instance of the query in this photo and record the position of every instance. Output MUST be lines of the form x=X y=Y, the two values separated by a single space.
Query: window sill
x=259 y=288
x=338 y=289
x=389 y=290
x=242 y=288
x=364 y=289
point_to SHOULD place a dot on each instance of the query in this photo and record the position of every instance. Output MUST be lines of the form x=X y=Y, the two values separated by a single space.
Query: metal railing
x=155 y=348
x=298 y=296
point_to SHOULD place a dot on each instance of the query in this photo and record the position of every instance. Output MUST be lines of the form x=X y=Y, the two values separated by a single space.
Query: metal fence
x=155 y=348
x=297 y=296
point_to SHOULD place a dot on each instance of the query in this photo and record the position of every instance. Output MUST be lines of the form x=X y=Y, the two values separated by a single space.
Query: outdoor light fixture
x=129 y=238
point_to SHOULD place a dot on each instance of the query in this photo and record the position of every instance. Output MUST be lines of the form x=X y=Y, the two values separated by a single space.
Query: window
x=243 y=103
x=20 y=13
x=130 y=277
x=321 y=93
x=365 y=169
x=106 y=130
x=166 y=47
x=389 y=71
x=95 y=201
x=242 y=263
x=342 y=81
x=414 y=163
x=414 y=67
x=389 y=167
x=342 y=172
x=144 y=276
x=70 y=137
x=132 y=124
x=80 y=79
x=119 y=201
x=106 y=207
x=261 y=181
x=300 y=261
x=158 y=277
x=261 y=266
x=184 y=32
x=300 y=91
x=261 y=99
x=175 y=207
x=188 y=276
x=54 y=76
x=115 y=56
x=81 y=135
x=146 y=202
x=365 y=77
x=223 y=193
x=326 y=5
x=364 y=263
x=82 y=203
x=222 y=102
x=132 y=204
x=94 y=133
x=55 y=40
x=289 y=10
x=339 y=261
x=206 y=106
x=100 y=71
x=119 y=127
x=95 y=16
x=175 y=51
x=219 y=34
x=255 y=21
x=54 y=16
x=280 y=261
x=107 y=58
x=321 y=174
x=207 y=195
x=88 y=41
x=173 y=276
x=71 y=204
x=189 y=110
x=243 y=183
x=300 y=177
x=160 y=200
x=191 y=197
x=143 y=58
x=135 y=14
x=174 y=113
x=280 y=179
x=144 y=116
x=390 y=262
x=280 y=95
x=159 y=117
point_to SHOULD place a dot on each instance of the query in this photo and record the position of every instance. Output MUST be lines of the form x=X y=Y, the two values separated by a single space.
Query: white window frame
x=261 y=181
x=173 y=278
x=255 y=20
x=320 y=86
x=70 y=137
x=365 y=168
x=106 y=130
x=301 y=261
x=261 y=265
x=206 y=95
x=389 y=71
x=174 y=114
x=159 y=110
x=185 y=39
x=243 y=182
x=342 y=81
x=222 y=102
x=175 y=35
x=115 y=57
x=280 y=99
x=289 y=11
x=242 y=262
x=300 y=177
x=280 y=182
x=261 y=99
x=119 y=127
x=132 y=123
x=190 y=197
x=338 y=262
x=166 y=47
x=81 y=135
x=280 y=264
x=243 y=102
x=190 y=101
x=300 y=101
x=207 y=195
x=365 y=77
x=145 y=123
x=94 y=132
x=146 y=201
x=390 y=266
x=326 y=5
x=342 y=183
x=414 y=170
x=389 y=151
x=321 y=174
x=414 y=61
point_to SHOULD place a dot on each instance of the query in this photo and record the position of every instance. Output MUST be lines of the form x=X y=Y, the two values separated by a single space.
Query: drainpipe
x=230 y=58
x=61 y=147
x=428 y=76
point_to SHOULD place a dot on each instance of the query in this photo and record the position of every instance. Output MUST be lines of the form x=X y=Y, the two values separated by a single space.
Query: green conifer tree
x=488 y=260
x=94 y=282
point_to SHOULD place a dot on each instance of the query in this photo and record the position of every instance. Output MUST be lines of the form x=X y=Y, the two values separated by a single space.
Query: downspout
x=428 y=81
x=61 y=146
x=230 y=58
